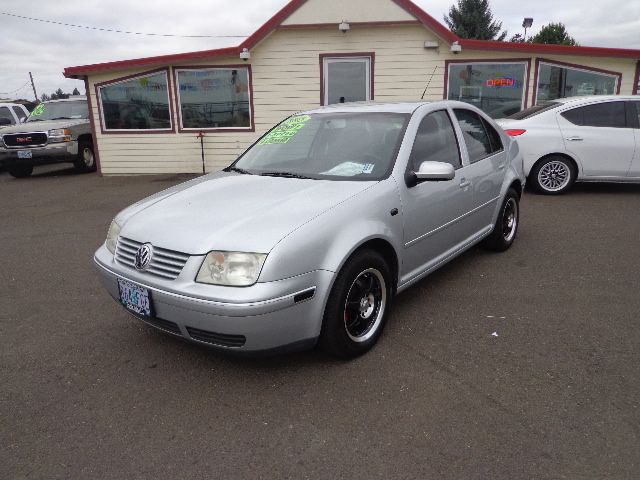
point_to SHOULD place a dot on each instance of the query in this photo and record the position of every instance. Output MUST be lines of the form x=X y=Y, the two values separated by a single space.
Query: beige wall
x=334 y=11
x=286 y=79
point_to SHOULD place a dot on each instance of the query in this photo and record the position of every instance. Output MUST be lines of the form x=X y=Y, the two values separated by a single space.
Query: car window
x=475 y=135
x=609 y=114
x=19 y=113
x=435 y=142
x=494 y=136
x=535 y=110
x=635 y=113
x=5 y=113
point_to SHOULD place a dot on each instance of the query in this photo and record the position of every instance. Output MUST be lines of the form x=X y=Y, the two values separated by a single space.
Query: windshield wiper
x=285 y=174
x=61 y=118
x=236 y=169
x=35 y=120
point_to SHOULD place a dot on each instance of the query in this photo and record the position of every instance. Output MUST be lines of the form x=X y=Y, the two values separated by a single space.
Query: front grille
x=164 y=263
x=159 y=323
x=220 y=339
x=25 y=139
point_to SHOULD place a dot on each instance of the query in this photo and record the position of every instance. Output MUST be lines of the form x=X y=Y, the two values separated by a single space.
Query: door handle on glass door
x=575 y=139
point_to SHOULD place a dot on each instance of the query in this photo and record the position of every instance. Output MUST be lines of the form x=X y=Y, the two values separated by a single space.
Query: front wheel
x=21 y=171
x=358 y=305
x=86 y=160
x=553 y=175
x=506 y=226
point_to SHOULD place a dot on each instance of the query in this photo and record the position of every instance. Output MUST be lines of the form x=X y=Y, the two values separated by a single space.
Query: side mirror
x=435 y=171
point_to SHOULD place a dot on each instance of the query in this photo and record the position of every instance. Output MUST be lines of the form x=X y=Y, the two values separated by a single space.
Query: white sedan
x=584 y=139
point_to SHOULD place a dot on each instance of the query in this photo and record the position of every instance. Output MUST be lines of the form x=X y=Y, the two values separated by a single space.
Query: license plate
x=25 y=154
x=135 y=298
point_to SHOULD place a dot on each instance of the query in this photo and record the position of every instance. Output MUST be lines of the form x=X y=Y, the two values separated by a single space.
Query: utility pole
x=34 y=87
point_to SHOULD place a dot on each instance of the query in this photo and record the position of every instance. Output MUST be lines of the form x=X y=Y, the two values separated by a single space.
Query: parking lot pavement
x=88 y=392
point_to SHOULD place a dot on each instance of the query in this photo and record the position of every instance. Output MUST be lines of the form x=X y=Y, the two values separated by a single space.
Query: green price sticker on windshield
x=285 y=131
x=39 y=110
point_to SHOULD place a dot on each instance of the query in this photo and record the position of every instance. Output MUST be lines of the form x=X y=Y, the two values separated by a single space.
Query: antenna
x=429 y=82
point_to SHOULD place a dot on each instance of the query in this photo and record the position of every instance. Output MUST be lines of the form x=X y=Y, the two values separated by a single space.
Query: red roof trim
x=548 y=49
x=426 y=19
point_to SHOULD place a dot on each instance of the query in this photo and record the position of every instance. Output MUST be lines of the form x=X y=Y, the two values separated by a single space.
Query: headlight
x=60 y=135
x=112 y=237
x=231 y=268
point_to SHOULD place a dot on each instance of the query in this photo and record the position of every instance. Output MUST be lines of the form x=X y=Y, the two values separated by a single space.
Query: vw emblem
x=143 y=257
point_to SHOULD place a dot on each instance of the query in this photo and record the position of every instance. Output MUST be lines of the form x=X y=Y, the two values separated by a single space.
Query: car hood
x=43 y=126
x=234 y=212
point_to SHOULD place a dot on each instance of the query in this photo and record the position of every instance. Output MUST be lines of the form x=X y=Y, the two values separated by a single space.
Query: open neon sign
x=508 y=82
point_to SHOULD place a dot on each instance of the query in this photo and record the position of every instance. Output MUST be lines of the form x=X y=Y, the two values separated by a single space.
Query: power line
x=113 y=30
x=16 y=91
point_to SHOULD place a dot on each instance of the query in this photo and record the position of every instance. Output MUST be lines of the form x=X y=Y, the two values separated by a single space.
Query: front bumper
x=264 y=317
x=51 y=153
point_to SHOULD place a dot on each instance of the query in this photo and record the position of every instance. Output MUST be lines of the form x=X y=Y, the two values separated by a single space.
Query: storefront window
x=556 y=81
x=496 y=88
x=214 y=98
x=140 y=103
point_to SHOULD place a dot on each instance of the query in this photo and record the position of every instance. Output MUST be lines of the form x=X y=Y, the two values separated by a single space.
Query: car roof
x=9 y=104
x=595 y=98
x=384 y=107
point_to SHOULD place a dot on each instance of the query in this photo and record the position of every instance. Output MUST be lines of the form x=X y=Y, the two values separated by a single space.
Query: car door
x=633 y=117
x=598 y=136
x=487 y=162
x=434 y=212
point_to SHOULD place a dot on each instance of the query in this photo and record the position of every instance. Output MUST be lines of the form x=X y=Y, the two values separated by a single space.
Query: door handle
x=575 y=139
x=502 y=165
x=465 y=183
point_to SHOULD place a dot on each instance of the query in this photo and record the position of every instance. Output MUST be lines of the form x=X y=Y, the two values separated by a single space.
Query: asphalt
x=88 y=392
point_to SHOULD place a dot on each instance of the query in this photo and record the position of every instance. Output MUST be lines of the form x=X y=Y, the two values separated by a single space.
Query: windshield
x=59 y=111
x=337 y=146
x=536 y=109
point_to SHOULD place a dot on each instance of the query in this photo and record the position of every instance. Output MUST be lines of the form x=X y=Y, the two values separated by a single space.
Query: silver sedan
x=308 y=236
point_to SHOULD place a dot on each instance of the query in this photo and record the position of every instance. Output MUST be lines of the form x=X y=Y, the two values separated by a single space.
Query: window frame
x=119 y=80
x=573 y=66
x=492 y=61
x=346 y=57
x=625 y=106
x=176 y=86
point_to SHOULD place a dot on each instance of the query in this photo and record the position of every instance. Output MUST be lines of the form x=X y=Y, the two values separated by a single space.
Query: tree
x=473 y=19
x=555 y=33
x=44 y=97
x=75 y=92
x=517 y=38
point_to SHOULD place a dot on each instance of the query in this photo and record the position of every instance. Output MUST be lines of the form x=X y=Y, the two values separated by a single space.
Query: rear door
x=599 y=137
x=487 y=163
x=633 y=116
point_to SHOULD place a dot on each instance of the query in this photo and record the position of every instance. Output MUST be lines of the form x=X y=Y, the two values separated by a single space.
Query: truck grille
x=17 y=140
x=164 y=263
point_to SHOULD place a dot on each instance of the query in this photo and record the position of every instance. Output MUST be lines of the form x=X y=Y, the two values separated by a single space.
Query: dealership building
x=161 y=114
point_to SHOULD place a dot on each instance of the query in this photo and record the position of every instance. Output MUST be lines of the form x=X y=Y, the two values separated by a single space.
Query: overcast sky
x=46 y=49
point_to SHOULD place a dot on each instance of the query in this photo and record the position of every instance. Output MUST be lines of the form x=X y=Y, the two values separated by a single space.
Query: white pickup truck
x=12 y=113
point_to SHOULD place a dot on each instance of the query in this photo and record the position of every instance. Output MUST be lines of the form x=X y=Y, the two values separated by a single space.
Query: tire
x=553 y=175
x=506 y=226
x=20 y=171
x=86 y=159
x=358 y=306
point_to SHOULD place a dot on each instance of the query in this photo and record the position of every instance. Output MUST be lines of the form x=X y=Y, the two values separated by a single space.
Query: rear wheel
x=358 y=306
x=86 y=160
x=506 y=226
x=21 y=171
x=553 y=175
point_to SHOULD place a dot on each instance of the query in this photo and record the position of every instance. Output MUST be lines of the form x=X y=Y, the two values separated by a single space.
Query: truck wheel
x=86 y=160
x=21 y=171
x=358 y=306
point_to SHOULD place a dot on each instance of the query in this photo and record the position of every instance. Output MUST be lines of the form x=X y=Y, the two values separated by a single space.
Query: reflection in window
x=214 y=98
x=347 y=80
x=141 y=103
x=496 y=88
x=561 y=82
x=608 y=114
x=435 y=142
